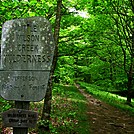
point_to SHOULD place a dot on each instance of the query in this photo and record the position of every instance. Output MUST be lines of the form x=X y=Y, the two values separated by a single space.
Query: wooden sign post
x=22 y=129
x=27 y=49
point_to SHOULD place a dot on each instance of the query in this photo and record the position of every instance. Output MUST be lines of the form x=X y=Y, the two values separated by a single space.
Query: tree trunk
x=47 y=101
x=131 y=73
x=125 y=32
x=130 y=84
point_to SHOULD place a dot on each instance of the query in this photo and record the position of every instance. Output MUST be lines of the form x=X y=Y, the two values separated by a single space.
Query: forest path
x=106 y=119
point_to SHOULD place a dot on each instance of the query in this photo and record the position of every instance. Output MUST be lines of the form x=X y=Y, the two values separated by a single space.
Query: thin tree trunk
x=47 y=101
x=130 y=84
x=131 y=73
x=125 y=30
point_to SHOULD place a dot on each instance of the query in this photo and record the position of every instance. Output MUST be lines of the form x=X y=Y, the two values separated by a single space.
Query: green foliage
x=4 y=105
x=97 y=49
x=22 y=9
x=89 y=48
x=65 y=70
x=68 y=111
x=110 y=98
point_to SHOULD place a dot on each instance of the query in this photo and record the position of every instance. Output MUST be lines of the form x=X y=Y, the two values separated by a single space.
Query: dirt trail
x=105 y=119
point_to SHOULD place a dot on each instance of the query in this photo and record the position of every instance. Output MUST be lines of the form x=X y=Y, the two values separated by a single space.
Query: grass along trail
x=106 y=119
x=75 y=111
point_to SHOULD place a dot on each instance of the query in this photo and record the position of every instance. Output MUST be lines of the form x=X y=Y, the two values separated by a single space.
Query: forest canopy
x=96 y=39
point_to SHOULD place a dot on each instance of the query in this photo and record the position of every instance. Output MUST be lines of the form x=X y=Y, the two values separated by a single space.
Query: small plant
x=4 y=105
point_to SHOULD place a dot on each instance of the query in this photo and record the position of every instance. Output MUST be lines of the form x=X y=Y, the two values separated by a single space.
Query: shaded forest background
x=94 y=40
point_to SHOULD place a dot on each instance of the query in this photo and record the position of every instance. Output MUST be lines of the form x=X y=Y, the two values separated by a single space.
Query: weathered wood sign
x=19 y=118
x=27 y=50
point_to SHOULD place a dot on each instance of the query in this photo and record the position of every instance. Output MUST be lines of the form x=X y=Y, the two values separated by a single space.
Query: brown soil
x=106 y=119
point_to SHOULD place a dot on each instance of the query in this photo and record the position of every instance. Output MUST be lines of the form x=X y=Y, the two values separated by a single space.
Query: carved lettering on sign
x=25 y=27
x=31 y=87
x=27 y=50
x=24 y=78
x=28 y=38
x=19 y=118
x=29 y=41
x=26 y=58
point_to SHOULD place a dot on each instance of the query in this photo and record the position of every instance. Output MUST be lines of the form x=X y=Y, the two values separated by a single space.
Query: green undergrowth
x=69 y=109
x=4 y=106
x=68 y=115
x=112 y=99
